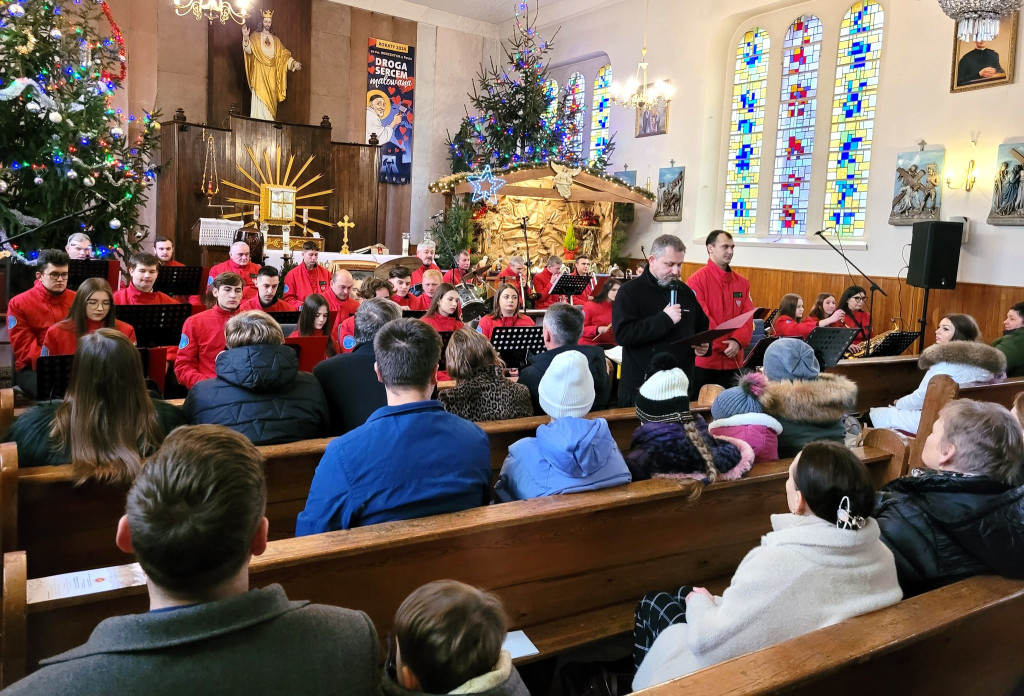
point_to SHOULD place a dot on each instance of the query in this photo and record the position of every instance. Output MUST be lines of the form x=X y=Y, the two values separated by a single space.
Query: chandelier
x=637 y=94
x=978 y=20
x=213 y=9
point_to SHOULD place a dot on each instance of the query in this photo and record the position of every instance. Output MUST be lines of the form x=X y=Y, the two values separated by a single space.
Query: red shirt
x=785 y=326
x=29 y=315
x=417 y=275
x=542 y=284
x=131 y=295
x=344 y=336
x=248 y=274
x=60 y=338
x=596 y=314
x=488 y=323
x=403 y=301
x=442 y=323
x=421 y=303
x=455 y=276
x=172 y=262
x=509 y=276
x=254 y=303
x=345 y=310
x=722 y=295
x=862 y=318
x=202 y=340
x=300 y=283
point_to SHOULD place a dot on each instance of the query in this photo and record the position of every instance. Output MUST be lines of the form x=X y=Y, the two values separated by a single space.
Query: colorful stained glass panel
x=600 y=112
x=577 y=87
x=747 y=125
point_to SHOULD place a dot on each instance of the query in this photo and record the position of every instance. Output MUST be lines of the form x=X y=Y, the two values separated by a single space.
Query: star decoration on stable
x=477 y=181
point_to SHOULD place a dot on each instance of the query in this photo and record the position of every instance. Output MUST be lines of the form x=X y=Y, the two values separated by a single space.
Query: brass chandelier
x=213 y=9
x=637 y=94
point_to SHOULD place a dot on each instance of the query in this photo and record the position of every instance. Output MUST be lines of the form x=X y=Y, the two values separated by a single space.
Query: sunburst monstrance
x=276 y=198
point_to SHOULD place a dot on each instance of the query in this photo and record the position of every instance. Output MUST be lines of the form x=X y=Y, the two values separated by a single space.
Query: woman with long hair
x=92 y=309
x=852 y=303
x=597 y=315
x=313 y=319
x=107 y=423
x=481 y=391
x=790 y=320
x=506 y=312
x=443 y=313
x=825 y=310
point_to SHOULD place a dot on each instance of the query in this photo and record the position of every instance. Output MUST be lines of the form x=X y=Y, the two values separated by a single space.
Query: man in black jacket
x=563 y=326
x=645 y=321
x=351 y=386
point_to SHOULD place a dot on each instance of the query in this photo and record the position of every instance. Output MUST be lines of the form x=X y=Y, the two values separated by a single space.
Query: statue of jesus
x=267 y=63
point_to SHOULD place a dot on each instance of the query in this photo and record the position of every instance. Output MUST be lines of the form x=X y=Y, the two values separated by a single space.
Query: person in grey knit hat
x=738 y=413
x=790 y=358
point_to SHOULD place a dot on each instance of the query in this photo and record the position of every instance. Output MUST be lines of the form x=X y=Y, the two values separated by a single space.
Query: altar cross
x=345 y=225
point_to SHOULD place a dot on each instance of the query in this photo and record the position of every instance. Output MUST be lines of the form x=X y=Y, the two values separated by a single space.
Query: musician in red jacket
x=790 y=321
x=144 y=268
x=544 y=281
x=240 y=265
x=457 y=274
x=202 y=336
x=400 y=279
x=506 y=312
x=425 y=251
x=34 y=311
x=164 y=250
x=597 y=316
x=852 y=303
x=307 y=278
x=723 y=294
x=512 y=274
x=268 y=280
x=92 y=309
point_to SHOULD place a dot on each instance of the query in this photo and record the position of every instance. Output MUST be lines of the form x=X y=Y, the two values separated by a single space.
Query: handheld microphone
x=673 y=292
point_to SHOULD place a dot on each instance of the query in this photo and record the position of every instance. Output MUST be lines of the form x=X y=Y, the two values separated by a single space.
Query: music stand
x=755 y=358
x=311 y=350
x=155 y=324
x=770 y=318
x=515 y=344
x=181 y=280
x=446 y=336
x=287 y=317
x=830 y=344
x=80 y=269
x=53 y=372
x=570 y=285
x=893 y=344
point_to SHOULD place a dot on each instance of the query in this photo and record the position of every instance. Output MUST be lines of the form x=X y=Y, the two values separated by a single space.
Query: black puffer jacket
x=942 y=528
x=260 y=393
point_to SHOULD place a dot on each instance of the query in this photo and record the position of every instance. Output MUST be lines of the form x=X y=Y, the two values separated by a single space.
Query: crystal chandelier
x=213 y=9
x=637 y=94
x=978 y=20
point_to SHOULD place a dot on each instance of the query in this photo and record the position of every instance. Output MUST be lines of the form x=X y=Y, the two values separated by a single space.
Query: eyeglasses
x=57 y=276
x=98 y=303
x=859 y=298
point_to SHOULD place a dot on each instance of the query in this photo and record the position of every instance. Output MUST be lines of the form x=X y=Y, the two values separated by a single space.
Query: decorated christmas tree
x=65 y=150
x=521 y=118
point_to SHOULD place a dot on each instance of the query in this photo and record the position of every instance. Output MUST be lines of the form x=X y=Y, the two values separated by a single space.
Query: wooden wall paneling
x=354 y=177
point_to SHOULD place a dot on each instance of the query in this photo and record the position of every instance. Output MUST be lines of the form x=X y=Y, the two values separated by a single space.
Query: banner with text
x=389 y=106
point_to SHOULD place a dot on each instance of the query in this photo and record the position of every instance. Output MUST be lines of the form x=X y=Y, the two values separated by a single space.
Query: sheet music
x=84 y=582
x=217 y=232
x=519 y=645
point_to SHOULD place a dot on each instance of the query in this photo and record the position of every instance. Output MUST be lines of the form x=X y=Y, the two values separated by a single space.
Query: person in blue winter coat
x=570 y=454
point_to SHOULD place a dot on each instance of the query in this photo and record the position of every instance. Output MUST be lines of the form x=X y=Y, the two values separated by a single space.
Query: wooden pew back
x=880 y=380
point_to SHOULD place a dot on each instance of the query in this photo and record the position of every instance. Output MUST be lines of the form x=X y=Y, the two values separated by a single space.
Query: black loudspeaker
x=935 y=254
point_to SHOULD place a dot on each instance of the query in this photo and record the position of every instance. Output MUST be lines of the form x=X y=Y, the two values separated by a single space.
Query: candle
x=305 y=216
x=284 y=241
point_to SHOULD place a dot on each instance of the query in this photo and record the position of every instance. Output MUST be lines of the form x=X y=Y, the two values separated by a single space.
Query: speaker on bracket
x=935 y=255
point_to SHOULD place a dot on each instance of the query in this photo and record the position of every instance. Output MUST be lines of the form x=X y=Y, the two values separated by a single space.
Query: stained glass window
x=747 y=126
x=853 y=115
x=577 y=88
x=551 y=92
x=795 y=139
x=600 y=111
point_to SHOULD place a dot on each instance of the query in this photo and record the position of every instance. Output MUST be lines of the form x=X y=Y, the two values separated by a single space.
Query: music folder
x=726 y=327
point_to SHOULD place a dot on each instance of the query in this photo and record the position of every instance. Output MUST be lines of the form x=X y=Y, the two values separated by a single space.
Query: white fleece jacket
x=805 y=575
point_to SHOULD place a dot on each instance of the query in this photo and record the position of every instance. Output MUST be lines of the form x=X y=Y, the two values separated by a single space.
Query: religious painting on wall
x=627 y=175
x=917 y=193
x=980 y=64
x=1008 y=187
x=669 y=206
x=390 y=83
x=652 y=121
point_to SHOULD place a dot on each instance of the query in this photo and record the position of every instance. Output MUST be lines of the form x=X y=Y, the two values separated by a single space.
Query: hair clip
x=846 y=520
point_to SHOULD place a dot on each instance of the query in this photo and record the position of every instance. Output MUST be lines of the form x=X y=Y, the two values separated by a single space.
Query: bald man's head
x=239 y=253
x=341 y=284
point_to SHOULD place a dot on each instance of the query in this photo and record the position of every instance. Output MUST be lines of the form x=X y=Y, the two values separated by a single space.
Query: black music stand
x=285 y=317
x=830 y=344
x=770 y=318
x=413 y=313
x=446 y=336
x=180 y=280
x=755 y=358
x=156 y=324
x=515 y=344
x=81 y=269
x=894 y=344
x=53 y=372
x=570 y=285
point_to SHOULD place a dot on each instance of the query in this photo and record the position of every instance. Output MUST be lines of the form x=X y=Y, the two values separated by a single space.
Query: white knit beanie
x=567 y=387
x=663 y=396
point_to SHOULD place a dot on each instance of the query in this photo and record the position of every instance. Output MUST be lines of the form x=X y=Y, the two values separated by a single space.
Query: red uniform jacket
x=509 y=276
x=488 y=323
x=421 y=303
x=248 y=274
x=443 y=323
x=403 y=301
x=345 y=310
x=455 y=276
x=597 y=314
x=131 y=295
x=300 y=283
x=202 y=340
x=784 y=326
x=29 y=315
x=254 y=303
x=344 y=336
x=172 y=262
x=542 y=283
x=722 y=296
x=417 y=275
x=859 y=320
x=60 y=338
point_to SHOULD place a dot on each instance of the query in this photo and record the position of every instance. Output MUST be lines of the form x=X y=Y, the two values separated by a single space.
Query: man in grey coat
x=195 y=517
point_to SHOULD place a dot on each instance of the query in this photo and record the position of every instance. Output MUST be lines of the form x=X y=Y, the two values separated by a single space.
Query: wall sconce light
x=969 y=178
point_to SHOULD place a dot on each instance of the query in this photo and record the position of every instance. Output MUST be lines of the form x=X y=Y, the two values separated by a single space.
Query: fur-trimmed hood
x=823 y=400
x=964 y=353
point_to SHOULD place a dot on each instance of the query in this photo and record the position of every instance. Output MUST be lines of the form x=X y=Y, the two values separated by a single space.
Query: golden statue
x=267 y=63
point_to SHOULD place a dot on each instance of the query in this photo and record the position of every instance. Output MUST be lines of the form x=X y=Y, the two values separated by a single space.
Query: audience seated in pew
x=963 y=514
x=144 y=269
x=410 y=459
x=107 y=421
x=737 y=413
x=448 y=640
x=790 y=320
x=571 y=453
x=809 y=404
x=349 y=382
x=195 y=517
x=672 y=442
x=259 y=391
x=823 y=563
x=959 y=353
x=562 y=327
x=202 y=335
x=481 y=391
x=92 y=309
x=1011 y=343
x=314 y=313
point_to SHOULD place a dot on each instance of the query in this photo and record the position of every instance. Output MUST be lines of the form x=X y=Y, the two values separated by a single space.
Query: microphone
x=820 y=232
x=437 y=216
x=673 y=291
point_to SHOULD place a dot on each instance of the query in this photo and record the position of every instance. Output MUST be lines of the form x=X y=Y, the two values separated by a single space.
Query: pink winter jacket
x=758 y=430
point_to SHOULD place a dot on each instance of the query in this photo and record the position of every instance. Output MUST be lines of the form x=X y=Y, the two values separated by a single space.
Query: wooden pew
x=568 y=568
x=959 y=639
x=880 y=381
